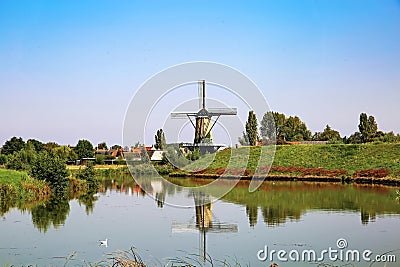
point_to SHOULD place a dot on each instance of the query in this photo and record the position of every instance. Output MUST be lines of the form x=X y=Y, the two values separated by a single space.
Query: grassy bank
x=364 y=160
x=17 y=189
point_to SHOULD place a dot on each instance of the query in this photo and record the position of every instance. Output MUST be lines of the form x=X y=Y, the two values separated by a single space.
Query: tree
x=160 y=140
x=15 y=144
x=367 y=127
x=145 y=156
x=65 y=153
x=244 y=140
x=36 y=144
x=355 y=138
x=102 y=145
x=268 y=129
x=84 y=149
x=252 y=128
x=327 y=135
x=22 y=160
x=51 y=170
x=296 y=130
x=50 y=146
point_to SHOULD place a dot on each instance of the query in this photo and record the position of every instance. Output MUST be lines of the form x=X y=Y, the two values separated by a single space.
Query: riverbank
x=364 y=163
x=19 y=190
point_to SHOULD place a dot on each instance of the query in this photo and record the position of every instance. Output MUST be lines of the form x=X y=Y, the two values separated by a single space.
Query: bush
x=376 y=173
x=100 y=159
x=51 y=170
x=88 y=174
x=3 y=159
x=21 y=160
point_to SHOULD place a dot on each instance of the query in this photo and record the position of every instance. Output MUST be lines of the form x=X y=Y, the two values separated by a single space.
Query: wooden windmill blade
x=182 y=115
x=202 y=94
x=222 y=111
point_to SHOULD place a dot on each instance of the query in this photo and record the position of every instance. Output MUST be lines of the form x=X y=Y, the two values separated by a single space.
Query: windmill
x=203 y=123
x=204 y=223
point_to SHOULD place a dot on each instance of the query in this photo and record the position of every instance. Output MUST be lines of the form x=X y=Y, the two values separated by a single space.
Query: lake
x=294 y=218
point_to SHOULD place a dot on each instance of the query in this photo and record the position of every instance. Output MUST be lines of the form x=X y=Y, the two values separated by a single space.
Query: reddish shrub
x=376 y=173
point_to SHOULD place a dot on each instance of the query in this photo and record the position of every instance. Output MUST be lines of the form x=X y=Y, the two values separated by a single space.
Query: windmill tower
x=203 y=123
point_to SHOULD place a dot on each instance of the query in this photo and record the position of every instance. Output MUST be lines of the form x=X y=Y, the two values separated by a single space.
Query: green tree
x=84 y=149
x=355 y=138
x=22 y=160
x=327 y=135
x=252 y=128
x=102 y=145
x=160 y=140
x=50 y=146
x=145 y=156
x=15 y=144
x=272 y=125
x=88 y=174
x=244 y=140
x=65 y=153
x=51 y=170
x=367 y=127
x=36 y=144
x=296 y=130
x=3 y=159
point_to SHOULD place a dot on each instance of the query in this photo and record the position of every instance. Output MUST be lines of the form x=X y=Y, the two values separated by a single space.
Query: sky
x=69 y=69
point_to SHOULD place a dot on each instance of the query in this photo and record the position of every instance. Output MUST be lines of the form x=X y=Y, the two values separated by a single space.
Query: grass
x=351 y=158
x=12 y=177
x=17 y=189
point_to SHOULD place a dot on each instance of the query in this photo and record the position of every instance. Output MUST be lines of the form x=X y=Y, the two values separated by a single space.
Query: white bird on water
x=104 y=242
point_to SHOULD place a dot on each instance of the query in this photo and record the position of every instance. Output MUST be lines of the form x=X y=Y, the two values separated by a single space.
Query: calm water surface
x=281 y=216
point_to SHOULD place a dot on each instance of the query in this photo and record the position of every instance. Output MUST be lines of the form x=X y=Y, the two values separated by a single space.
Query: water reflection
x=53 y=212
x=204 y=223
x=276 y=202
x=283 y=201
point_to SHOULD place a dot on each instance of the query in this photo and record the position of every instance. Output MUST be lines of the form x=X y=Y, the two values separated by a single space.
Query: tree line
x=277 y=128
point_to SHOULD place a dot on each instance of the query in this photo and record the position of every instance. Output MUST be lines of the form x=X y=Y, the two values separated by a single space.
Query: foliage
x=161 y=143
x=51 y=170
x=244 y=140
x=355 y=138
x=88 y=174
x=367 y=127
x=327 y=135
x=296 y=130
x=175 y=156
x=50 y=146
x=65 y=153
x=36 y=144
x=276 y=126
x=3 y=159
x=271 y=123
x=22 y=160
x=145 y=156
x=100 y=159
x=84 y=149
x=252 y=128
x=102 y=145
x=377 y=173
x=19 y=190
x=194 y=155
x=15 y=144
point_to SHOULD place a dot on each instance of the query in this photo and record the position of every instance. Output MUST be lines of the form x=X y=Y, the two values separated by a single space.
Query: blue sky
x=68 y=69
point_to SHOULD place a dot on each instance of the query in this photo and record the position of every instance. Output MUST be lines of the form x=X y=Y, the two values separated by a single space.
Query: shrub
x=51 y=170
x=376 y=173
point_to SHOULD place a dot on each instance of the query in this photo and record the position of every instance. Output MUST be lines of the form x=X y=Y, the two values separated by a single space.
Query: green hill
x=344 y=159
